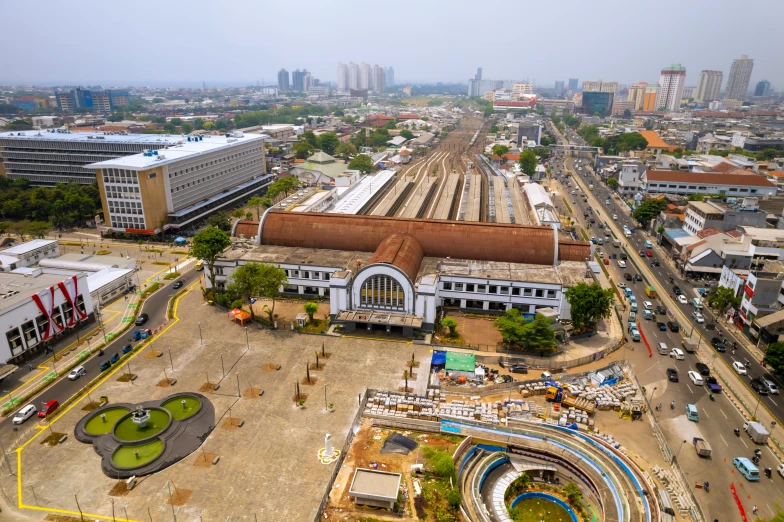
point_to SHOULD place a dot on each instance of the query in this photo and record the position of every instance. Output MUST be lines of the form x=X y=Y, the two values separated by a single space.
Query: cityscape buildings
x=478 y=75
x=708 y=86
x=104 y=100
x=600 y=86
x=738 y=80
x=283 y=80
x=343 y=77
x=390 y=76
x=598 y=102
x=379 y=78
x=672 y=81
x=559 y=88
x=573 y=84
x=763 y=88
x=298 y=80
x=636 y=95
x=353 y=76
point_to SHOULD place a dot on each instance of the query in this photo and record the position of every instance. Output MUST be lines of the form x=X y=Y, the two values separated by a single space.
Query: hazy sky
x=240 y=42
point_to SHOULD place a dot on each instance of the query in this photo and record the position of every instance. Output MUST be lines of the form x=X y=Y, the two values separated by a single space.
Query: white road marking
x=725 y=442
x=771 y=400
x=706 y=413
x=725 y=415
x=744 y=442
x=689 y=387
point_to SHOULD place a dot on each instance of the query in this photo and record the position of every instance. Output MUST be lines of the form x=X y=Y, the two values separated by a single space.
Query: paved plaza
x=267 y=467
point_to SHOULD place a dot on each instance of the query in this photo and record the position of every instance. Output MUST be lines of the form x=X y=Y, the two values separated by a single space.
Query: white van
x=24 y=414
x=678 y=354
x=622 y=264
x=663 y=350
x=626 y=232
x=697 y=303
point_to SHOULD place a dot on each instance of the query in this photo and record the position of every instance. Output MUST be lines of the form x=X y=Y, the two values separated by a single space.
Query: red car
x=649 y=253
x=48 y=408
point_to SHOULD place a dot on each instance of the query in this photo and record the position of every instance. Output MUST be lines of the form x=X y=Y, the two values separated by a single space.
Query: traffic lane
x=155 y=306
x=755 y=368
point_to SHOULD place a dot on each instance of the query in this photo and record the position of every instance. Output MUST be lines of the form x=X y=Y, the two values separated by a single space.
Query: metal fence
x=339 y=462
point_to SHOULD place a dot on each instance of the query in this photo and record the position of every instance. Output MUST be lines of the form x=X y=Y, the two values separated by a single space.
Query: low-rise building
x=323 y=169
x=629 y=177
x=28 y=253
x=710 y=213
x=656 y=145
x=686 y=183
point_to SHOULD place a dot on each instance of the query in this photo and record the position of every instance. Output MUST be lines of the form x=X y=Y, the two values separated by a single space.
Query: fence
x=342 y=456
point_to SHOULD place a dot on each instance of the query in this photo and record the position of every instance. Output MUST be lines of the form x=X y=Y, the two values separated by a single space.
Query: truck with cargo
x=702 y=447
x=690 y=345
x=756 y=432
x=616 y=243
x=650 y=291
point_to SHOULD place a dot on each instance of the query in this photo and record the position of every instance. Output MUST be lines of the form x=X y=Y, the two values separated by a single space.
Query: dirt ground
x=476 y=330
x=287 y=309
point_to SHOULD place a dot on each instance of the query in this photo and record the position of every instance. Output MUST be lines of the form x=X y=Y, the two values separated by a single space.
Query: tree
x=245 y=282
x=19 y=228
x=176 y=122
x=219 y=220
x=303 y=149
x=407 y=134
x=186 y=127
x=722 y=298
x=521 y=330
x=391 y=124
x=310 y=308
x=589 y=303
x=660 y=230
x=677 y=152
x=448 y=322
x=362 y=163
x=310 y=137
x=573 y=493
x=649 y=210
x=627 y=113
x=257 y=203
x=208 y=245
x=198 y=123
x=345 y=149
x=38 y=229
x=541 y=152
x=272 y=279
x=115 y=117
x=500 y=150
x=328 y=142
x=283 y=185
x=528 y=162
x=612 y=183
x=237 y=213
x=774 y=357
x=208 y=126
x=170 y=128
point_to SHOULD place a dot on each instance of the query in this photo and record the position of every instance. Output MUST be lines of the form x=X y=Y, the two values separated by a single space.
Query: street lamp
x=678 y=452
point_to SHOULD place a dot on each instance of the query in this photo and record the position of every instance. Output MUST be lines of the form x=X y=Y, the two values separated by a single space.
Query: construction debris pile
x=607 y=388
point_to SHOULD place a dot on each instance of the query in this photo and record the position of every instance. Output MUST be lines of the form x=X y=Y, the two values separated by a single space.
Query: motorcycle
x=767 y=472
x=672 y=405
x=711 y=397
x=100 y=352
x=706 y=487
x=737 y=432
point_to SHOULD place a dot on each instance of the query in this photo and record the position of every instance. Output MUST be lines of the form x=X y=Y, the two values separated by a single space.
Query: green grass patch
x=585 y=236
x=601 y=264
x=71 y=243
x=171 y=275
x=181 y=252
x=150 y=289
x=103 y=252
x=156 y=250
x=161 y=263
x=567 y=206
x=315 y=326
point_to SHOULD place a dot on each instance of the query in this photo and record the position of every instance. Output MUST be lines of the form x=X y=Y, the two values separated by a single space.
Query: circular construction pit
x=543 y=507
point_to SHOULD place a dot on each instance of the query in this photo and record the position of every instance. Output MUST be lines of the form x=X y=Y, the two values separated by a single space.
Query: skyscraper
x=708 y=86
x=738 y=80
x=343 y=79
x=573 y=84
x=283 y=80
x=600 y=86
x=365 y=77
x=763 y=88
x=379 y=78
x=637 y=95
x=478 y=75
x=353 y=76
x=559 y=88
x=307 y=81
x=298 y=80
x=390 y=79
x=672 y=81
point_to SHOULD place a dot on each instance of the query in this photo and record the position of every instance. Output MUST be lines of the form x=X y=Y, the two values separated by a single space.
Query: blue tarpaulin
x=438 y=358
x=180 y=240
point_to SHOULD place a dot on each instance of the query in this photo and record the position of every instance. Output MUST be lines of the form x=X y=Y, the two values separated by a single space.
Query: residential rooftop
x=27 y=246
x=44 y=135
x=706 y=178
x=182 y=150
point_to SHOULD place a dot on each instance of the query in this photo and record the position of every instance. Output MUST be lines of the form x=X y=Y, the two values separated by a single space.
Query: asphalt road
x=155 y=306
x=717 y=419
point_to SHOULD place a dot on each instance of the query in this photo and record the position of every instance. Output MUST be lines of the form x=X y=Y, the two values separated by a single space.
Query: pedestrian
x=754 y=509
x=30 y=367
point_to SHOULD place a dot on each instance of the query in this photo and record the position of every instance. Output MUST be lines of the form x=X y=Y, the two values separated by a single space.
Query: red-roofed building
x=409 y=117
x=501 y=105
x=686 y=183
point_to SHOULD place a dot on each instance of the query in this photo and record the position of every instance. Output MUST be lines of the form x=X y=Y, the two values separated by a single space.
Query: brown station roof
x=402 y=251
x=437 y=238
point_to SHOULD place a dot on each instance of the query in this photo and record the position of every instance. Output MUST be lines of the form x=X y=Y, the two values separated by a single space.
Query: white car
x=772 y=388
x=647 y=304
x=698 y=316
x=622 y=264
x=696 y=378
x=621 y=285
x=678 y=354
x=77 y=372
x=615 y=216
x=739 y=368
x=682 y=299
x=24 y=414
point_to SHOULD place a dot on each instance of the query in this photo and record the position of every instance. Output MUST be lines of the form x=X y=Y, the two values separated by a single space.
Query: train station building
x=396 y=273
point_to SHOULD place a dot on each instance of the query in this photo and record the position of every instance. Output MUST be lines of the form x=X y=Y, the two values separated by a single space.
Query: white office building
x=738 y=80
x=28 y=253
x=672 y=82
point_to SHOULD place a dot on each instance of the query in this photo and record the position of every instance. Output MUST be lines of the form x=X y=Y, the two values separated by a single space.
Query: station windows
x=515 y=291
x=381 y=291
x=447 y=285
x=470 y=287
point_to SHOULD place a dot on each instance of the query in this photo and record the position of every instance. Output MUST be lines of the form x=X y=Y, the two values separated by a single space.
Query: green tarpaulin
x=460 y=362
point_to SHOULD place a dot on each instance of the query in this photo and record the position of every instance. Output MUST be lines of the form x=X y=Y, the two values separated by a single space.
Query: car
x=649 y=253
x=696 y=378
x=674 y=326
x=143 y=318
x=759 y=386
x=713 y=384
x=660 y=310
x=503 y=379
x=672 y=374
x=615 y=216
x=127 y=349
x=105 y=366
x=115 y=358
x=177 y=284
x=621 y=285
x=593 y=240
x=24 y=414
x=628 y=276
x=632 y=317
x=682 y=299
x=518 y=368
x=77 y=372
x=642 y=253
x=48 y=409
x=698 y=317
x=662 y=326
x=647 y=315
x=772 y=388
x=592 y=220
x=622 y=264
x=624 y=257
x=648 y=305
x=702 y=368
x=676 y=290
x=637 y=277
x=739 y=368
x=678 y=354
x=655 y=263
x=719 y=345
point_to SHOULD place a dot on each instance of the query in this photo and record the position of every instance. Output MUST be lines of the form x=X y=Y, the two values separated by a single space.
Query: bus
x=199 y=265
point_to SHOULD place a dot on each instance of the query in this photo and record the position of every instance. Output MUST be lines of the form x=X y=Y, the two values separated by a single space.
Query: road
x=155 y=306
x=717 y=418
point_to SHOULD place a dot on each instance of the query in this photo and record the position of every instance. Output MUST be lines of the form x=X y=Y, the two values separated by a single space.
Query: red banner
x=72 y=300
x=52 y=326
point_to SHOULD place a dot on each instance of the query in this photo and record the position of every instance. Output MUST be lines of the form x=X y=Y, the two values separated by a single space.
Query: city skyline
x=242 y=60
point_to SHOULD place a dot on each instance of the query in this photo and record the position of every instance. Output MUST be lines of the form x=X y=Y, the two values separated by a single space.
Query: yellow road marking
x=375 y=339
x=21 y=448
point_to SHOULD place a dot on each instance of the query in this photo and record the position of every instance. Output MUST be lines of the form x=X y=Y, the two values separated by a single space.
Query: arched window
x=382 y=291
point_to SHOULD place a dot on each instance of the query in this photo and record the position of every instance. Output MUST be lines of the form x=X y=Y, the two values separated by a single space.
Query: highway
x=155 y=306
x=717 y=418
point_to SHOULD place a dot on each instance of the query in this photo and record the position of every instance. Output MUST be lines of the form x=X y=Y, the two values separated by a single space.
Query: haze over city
x=245 y=42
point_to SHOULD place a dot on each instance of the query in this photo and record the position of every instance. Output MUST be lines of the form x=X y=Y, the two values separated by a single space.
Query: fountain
x=141 y=417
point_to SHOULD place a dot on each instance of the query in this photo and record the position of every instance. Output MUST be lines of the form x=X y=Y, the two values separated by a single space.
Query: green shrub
x=453 y=498
x=236 y=304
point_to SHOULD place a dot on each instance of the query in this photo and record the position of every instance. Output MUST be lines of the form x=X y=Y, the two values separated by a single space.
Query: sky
x=242 y=42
